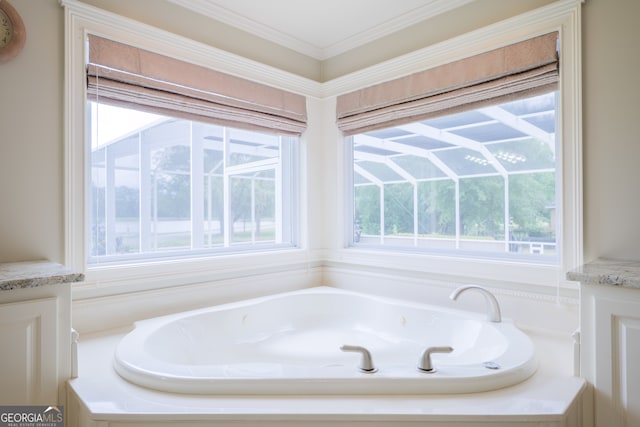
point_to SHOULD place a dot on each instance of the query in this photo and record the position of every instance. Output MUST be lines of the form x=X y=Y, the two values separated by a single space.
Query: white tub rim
x=358 y=383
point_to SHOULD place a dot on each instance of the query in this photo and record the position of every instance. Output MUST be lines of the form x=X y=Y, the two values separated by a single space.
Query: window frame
x=491 y=255
x=564 y=17
x=82 y=19
x=284 y=164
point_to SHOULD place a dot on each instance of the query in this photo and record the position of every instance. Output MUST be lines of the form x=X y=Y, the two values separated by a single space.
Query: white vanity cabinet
x=35 y=332
x=610 y=339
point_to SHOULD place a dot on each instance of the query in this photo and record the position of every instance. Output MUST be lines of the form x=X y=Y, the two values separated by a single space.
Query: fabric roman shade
x=124 y=75
x=518 y=70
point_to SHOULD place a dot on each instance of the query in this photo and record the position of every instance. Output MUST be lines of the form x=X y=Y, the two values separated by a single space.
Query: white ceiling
x=320 y=28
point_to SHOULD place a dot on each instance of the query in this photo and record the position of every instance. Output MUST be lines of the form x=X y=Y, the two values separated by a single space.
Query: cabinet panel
x=28 y=354
x=616 y=373
x=626 y=371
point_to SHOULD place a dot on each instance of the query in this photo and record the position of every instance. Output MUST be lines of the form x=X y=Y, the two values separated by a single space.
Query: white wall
x=611 y=60
x=31 y=141
x=31 y=149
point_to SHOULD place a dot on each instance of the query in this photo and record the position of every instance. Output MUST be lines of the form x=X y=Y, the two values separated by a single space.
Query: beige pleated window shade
x=127 y=76
x=519 y=70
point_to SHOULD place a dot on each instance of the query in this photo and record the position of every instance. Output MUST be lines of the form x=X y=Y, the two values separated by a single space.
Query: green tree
x=482 y=206
x=398 y=208
x=436 y=204
x=367 y=208
x=532 y=197
x=172 y=166
x=127 y=202
x=264 y=201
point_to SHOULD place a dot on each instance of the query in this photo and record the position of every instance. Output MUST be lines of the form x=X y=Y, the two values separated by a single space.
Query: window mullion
x=506 y=213
x=457 y=192
x=197 y=186
x=278 y=191
x=253 y=209
x=110 y=202
x=382 y=214
x=145 y=194
x=415 y=213
x=209 y=209
x=226 y=153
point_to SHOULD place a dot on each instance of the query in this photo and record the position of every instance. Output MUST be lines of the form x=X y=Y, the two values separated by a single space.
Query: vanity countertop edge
x=604 y=271
x=32 y=274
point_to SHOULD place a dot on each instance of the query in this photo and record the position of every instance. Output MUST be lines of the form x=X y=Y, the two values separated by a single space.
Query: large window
x=140 y=195
x=184 y=160
x=465 y=159
x=167 y=187
x=480 y=183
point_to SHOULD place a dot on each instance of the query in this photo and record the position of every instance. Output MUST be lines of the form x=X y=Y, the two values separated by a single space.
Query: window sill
x=115 y=280
x=510 y=274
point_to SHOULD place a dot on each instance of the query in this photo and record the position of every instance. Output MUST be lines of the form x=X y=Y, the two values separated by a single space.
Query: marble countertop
x=608 y=272
x=31 y=274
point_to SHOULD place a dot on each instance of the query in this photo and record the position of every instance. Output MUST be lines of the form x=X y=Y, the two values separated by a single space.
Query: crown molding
x=214 y=11
x=430 y=10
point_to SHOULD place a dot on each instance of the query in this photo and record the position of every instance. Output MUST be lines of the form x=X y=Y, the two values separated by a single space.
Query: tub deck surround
x=99 y=396
x=290 y=343
x=32 y=274
x=550 y=398
x=602 y=271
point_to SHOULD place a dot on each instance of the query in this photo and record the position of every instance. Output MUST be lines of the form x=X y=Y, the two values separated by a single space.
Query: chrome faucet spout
x=494 y=308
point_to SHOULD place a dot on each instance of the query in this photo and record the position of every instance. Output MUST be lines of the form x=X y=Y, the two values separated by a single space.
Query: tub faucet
x=494 y=308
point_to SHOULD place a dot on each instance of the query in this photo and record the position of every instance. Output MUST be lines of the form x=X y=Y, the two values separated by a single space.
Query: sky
x=109 y=122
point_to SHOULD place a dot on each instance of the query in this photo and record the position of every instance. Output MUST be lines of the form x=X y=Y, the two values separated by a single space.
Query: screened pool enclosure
x=480 y=181
x=165 y=186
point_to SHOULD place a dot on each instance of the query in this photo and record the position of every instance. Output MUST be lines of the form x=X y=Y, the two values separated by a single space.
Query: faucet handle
x=366 y=362
x=425 y=364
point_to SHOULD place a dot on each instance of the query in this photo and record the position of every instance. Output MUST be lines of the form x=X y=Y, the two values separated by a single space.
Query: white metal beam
x=400 y=171
x=260 y=151
x=257 y=166
x=367 y=175
x=454 y=139
x=519 y=124
x=377 y=158
x=385 y=144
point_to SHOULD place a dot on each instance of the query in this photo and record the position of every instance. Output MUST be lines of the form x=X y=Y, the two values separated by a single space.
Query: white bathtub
x=290 y=344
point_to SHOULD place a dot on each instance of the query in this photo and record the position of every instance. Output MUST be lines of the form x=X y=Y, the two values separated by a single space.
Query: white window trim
x=562 y=16
x=81 y=19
